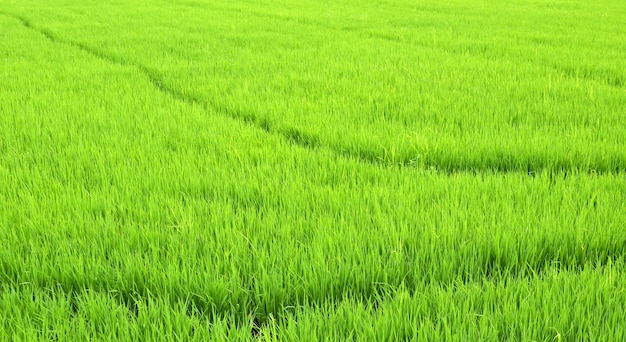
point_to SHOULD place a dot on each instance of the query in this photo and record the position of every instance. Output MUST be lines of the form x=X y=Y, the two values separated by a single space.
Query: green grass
x=422 y=84
x=298 y=170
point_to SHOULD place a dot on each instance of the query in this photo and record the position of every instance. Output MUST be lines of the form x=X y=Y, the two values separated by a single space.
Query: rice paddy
x=312 y=171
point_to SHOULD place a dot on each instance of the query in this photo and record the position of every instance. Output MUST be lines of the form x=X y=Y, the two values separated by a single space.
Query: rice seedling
x=192 y=170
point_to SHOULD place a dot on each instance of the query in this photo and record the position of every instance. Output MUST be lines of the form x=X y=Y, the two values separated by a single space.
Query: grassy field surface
x=297 y=170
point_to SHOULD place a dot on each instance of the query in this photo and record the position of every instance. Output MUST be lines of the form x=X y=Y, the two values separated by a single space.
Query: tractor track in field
x=616 y=81
x=290 y=134
x=297 y=137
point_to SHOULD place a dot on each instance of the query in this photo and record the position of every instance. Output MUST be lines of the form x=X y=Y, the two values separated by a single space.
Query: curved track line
x=293 y=135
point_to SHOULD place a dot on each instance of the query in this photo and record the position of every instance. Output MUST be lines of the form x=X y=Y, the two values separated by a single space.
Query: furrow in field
x=153 y=76
x=131 y=207
x=291 y=135
x=504 y=161
x=489 y=51
x=363 y=30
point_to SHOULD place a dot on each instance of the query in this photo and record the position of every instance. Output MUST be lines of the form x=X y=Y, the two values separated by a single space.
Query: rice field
x=293 y=170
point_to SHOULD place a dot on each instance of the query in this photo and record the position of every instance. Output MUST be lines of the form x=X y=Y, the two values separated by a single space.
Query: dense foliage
x=312 y=170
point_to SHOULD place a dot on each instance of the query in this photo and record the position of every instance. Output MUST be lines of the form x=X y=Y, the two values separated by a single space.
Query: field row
x=474 y=102
x=555 y=306
x=196 y=178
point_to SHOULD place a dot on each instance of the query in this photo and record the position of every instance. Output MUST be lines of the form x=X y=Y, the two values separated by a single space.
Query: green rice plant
x=397 y=82
x=311 y=171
